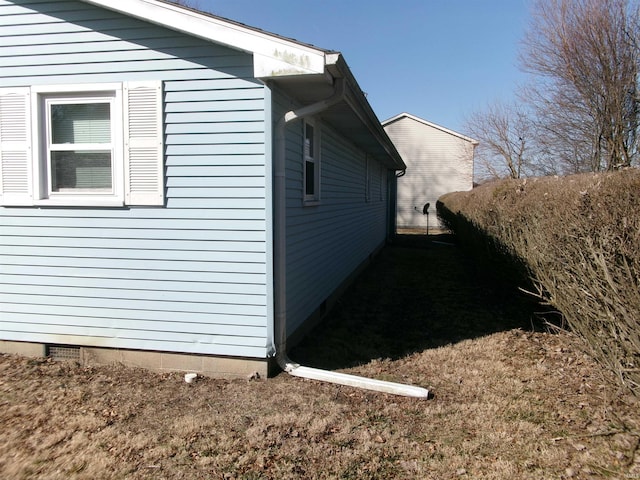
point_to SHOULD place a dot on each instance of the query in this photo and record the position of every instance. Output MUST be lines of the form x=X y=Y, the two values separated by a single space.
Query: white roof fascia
x=273 y=55
x=430 y=124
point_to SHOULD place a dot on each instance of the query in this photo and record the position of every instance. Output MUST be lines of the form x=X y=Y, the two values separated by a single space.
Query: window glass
x=308 y=141
x=311 y=163
x=81 y=170
x=309 y=178
x=81 y=123
x=80 y=149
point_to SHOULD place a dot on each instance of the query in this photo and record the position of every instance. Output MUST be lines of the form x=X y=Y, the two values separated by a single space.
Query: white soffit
x=273 y=55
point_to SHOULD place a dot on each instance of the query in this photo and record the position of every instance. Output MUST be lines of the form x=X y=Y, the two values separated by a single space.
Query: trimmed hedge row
x=577 y=238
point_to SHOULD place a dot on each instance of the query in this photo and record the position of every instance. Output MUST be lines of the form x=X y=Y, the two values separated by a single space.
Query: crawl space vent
x=61 y=352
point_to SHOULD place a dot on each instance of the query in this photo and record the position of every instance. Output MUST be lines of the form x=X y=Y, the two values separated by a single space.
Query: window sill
x=77 y=203
x=310 y=203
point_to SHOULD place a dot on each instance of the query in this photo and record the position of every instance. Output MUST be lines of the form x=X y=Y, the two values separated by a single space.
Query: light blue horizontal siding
x=153 y=285
x=216 y=171
x=230 y=234
x=223 y=149
x=136 y=312
x=60 y=333
x=207 y=118
x=191 y=277
x=141 y=213
x=175 y=45
x=245 y=160
x=215 y=203
x=122 y=245
x=107 y=224
x=118 y=68
x=214 y=95
x=111 y=264
x=116 y=274
x=206 y=258
x=214 y=106
x=215 y=128
x=185 y=301
x=221 y=192
x=218 y=182
x=89 y=60
x=327 y=242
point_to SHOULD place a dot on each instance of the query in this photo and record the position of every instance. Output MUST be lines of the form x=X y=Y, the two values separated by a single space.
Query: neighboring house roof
x=303 y=71
x=430 y=124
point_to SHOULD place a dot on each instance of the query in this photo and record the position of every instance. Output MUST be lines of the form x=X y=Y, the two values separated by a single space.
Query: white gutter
x=280 y=280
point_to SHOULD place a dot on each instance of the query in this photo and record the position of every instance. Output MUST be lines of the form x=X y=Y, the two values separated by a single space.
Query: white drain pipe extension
x=280 y=266
x=356 y=381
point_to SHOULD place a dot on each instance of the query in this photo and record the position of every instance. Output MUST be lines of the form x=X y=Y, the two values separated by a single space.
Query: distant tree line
x=580 y=110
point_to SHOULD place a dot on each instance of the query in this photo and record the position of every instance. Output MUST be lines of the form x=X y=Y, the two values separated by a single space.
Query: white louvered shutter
x=143 y=143
x=15 y=147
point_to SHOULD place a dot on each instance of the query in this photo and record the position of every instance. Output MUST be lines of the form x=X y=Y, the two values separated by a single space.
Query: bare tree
x=564 y=142
x=583 y=55
x=505 y=135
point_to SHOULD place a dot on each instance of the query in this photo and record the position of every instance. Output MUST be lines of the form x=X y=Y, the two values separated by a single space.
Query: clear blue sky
x=437 y=59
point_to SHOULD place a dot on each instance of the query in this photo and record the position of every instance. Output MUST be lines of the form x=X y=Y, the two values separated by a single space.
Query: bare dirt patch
x=511 y=400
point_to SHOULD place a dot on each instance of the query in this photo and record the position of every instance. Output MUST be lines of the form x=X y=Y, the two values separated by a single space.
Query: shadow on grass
x=421 y=292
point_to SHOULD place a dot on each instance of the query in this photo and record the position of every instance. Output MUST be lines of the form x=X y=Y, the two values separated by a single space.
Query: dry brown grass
x=511 y=402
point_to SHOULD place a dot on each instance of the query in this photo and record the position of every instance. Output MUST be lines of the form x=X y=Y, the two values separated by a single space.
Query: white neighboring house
x=438 y=161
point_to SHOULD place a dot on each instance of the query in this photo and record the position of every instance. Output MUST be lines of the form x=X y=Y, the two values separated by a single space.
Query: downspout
x=280 y=280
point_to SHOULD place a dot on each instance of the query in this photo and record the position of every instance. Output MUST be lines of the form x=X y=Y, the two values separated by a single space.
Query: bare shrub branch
x=578 y=237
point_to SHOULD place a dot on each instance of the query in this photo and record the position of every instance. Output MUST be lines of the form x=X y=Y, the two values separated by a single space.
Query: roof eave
x=273 y=55
x=358 y=102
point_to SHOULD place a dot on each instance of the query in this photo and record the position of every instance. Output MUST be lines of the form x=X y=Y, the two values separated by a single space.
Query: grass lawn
x=512 y=401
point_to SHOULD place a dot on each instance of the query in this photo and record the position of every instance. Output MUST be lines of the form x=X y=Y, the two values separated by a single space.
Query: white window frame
x=137 y=141
x=313 y=157
x=42 y=97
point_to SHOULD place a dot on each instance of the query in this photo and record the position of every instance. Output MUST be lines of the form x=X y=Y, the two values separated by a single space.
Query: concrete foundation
x=206 y=365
